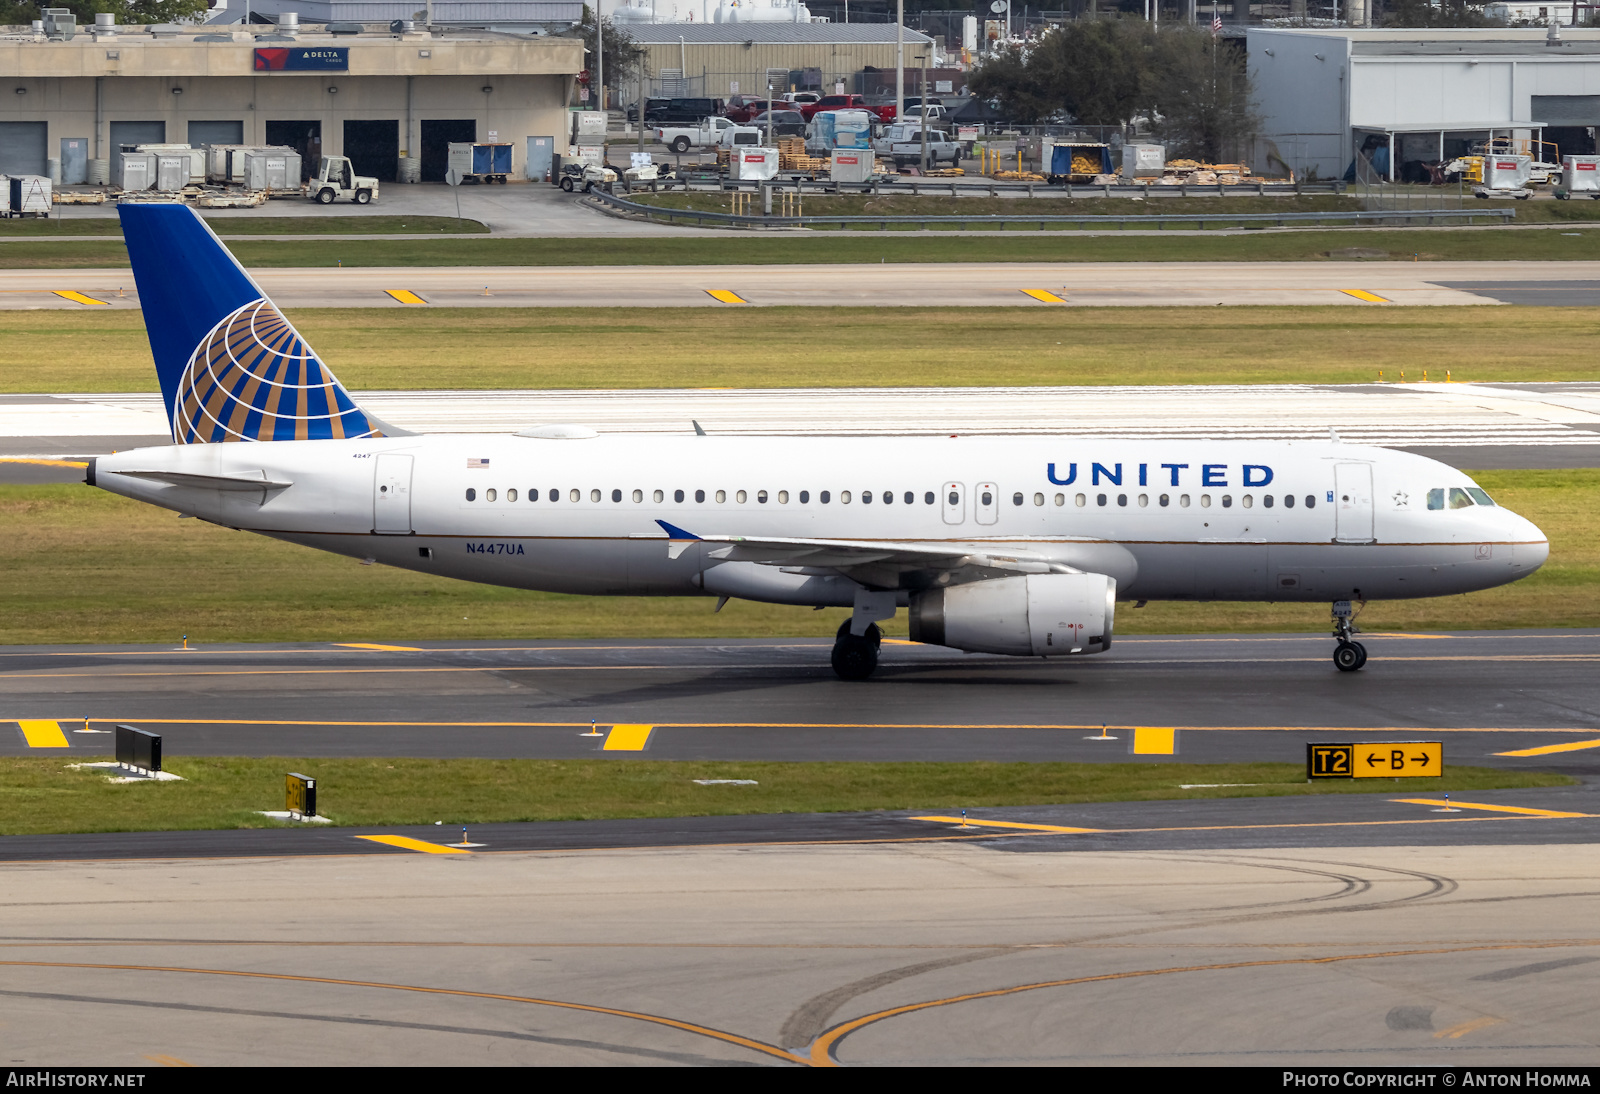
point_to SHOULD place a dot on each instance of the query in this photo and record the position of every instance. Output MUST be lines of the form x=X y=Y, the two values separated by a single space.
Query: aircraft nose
x=1531 y=546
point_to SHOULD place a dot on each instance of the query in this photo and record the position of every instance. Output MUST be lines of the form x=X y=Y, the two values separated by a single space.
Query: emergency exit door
x=986 y=502
x=955 y=502
x=1352 y=502
x=391 y=495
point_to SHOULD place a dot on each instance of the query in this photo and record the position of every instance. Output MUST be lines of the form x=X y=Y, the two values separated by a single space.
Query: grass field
x=228 y=225
x=86 y=566
x=496 y=348
x=1423 y=244
x=43 y=795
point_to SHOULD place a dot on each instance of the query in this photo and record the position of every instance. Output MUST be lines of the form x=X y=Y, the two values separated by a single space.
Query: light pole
x=922 y=93
x=900 y=61
x=600 y=59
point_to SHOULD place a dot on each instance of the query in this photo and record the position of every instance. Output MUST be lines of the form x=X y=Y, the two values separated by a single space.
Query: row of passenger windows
x=1459 y=498
x=740 y=497
x=1164 y=500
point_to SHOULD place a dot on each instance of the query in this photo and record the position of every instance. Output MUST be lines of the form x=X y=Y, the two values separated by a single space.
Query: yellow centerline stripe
x=823 y=1047
x=639 y=1016
x=405 y=296
x=78 y=297
x=42 y=734
x=726 y=296
x=408 y=844
x=1043 y=295
x=1363 y=294
x=1003 y=824
x=381 y=648
x=1517 y=809
x=1545 y=750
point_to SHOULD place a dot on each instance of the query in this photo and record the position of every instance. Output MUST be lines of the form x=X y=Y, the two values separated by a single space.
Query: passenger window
x=555 y=495
x=1227 y=501
x=1144 y=501
x=844 y=497
x=1061 y=499
x=472 y=495
x=511 y=495
x=1183 y=501
x=1459 y=498
x=1266 y=499
x=677 y=496
x=616 y=495
x=783 y=497
x=657 y=497
x=823 y=497
x=761 y=496
x=1480 y=496
x=1166 y=500
x=1311 y=501
x=1436 y=498
x=986 y=500
x=1248 y=501
x=1099 y=499
x=805 y=497
x=700 y=497
x=954 y=499
x=489 y=495
x=888 y=497
x=740 y=497
x=1080 y=501
x=1016 y=499
x=1288 y=501
x=910 y=497
x=866 y=497
x=722 y=497
x=1038 y=499
x=638 y=496
x=594 y=495
x=533 y=495
x=1205 y=501
x=1122 y=500
x=927 y=499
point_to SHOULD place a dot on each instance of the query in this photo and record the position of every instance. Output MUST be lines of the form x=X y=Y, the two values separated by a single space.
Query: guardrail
x=965 y=222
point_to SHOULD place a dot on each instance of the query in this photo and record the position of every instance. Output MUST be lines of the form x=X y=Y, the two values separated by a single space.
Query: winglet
x=674 y=532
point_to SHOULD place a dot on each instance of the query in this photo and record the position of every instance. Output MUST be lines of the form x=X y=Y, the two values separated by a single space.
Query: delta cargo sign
x=303 y=59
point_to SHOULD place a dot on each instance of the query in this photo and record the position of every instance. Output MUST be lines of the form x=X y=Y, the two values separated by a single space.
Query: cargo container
x=171 y=171
x=195 y=159
x=1078 y=162
x=27 y=196
x=852 y=165
x=832 y=129
x=1581 y=175
x=1143 y=160
x=217 y=165
x=275 y=170
x=1506 y=172
x=748 y=163
x=480 y=162
x=133 y=170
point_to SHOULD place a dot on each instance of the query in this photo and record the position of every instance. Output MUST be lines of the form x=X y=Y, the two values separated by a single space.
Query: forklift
x=336 y=179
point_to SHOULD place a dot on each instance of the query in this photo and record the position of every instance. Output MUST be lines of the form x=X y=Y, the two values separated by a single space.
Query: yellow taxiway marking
x=1044 y=296
x=379 y=646
x=78 y=298
x=1154 y=740
x=40 y=734
x=726 y=296
x=42 y=462
x=1456 y=1032
x=409 y=844
x=405 y=296
x=1545 y=750
x=1005 y=824
x=1363 y=294
x=1517 y=809
x=627 y=738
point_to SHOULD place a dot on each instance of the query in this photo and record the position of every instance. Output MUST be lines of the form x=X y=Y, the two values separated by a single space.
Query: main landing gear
x=855 y=657
x=1349 y=655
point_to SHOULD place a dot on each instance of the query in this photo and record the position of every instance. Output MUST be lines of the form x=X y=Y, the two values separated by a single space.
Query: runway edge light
x=1375 y=760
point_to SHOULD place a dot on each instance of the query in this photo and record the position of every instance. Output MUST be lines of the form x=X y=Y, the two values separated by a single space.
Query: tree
x=126 y=11
x=1096 y=70
x=1201 y=95
x=623 y=55
x=1421 y=13
x=1008 y=77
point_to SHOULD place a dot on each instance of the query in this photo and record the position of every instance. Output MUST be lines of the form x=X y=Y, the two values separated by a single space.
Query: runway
x=1508 y=425
x=1367 y=957
x=1230 y=697
x=967 y=285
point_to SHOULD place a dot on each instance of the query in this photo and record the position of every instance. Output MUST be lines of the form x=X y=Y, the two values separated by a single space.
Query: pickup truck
x=705 y=135
x=883 y=113
x=904 y=145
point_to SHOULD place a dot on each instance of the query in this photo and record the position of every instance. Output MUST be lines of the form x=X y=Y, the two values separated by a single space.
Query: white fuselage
x=1188 y=520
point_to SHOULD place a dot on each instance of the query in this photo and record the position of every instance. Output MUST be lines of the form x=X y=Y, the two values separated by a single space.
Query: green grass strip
x=229 y=225
x=43 y=795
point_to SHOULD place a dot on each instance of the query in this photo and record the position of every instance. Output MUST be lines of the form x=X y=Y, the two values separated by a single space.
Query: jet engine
x=1043 y=615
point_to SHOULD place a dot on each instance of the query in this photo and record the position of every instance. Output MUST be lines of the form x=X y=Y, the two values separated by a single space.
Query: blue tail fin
x=232 y=368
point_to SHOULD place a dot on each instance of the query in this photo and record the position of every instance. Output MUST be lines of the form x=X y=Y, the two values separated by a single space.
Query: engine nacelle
x=1043 y=615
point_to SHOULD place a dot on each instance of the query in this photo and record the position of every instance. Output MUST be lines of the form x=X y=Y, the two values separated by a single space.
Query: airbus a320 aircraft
x=1007 y=545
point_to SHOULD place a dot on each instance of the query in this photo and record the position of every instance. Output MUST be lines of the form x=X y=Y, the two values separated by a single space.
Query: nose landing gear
x=1349 y=655
x=856 y=657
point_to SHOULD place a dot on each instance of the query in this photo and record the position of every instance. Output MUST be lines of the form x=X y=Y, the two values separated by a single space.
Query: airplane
x=1018 y=545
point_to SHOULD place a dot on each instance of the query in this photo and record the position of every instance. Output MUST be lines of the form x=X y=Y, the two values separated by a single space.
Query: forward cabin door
x=1352 y=502
x=391 y=495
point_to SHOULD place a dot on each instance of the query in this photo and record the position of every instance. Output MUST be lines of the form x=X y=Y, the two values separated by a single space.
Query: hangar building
x=1423 y=95
x=390 y=100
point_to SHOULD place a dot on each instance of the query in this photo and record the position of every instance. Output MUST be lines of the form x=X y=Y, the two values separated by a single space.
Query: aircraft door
x=955 y=502
x=391 y=495
x=986 y=502
x=1352 y=504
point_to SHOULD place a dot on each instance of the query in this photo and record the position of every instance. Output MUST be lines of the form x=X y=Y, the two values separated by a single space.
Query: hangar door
x=437 y=135
x=203 y=133
x=22 y=146
x=373 y=148
x=128 y=134
x=304 y=137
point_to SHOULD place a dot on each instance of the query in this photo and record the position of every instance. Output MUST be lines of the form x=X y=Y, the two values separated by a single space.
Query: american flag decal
x=471 y=463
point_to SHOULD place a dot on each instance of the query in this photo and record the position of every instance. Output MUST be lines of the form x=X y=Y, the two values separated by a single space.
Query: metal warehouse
x=1416 y=96
x=708 y=59
x=390 y=100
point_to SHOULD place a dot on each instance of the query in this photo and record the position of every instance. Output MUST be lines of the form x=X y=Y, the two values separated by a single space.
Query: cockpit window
x=1436 y=498
x=1459 y=498
x=1480 y=496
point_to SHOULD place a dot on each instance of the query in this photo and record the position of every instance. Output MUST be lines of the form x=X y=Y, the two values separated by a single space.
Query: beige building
x=708 y=59
x=390 y=101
